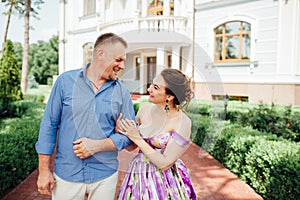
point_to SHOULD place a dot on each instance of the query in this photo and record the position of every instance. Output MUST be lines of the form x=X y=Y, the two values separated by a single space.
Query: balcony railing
x=154 y=24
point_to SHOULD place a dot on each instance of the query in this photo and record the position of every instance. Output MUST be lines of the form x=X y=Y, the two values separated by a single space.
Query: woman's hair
x=109 y=38
x=179 y=86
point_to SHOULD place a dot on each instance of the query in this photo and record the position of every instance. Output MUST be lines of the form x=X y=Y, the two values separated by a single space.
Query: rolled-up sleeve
x=120 y=141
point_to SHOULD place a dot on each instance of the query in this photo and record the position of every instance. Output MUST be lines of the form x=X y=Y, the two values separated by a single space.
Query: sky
x=42 y=29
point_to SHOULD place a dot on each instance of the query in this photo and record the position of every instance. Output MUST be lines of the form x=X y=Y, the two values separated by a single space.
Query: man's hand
x=45 y=182
x=85 y=147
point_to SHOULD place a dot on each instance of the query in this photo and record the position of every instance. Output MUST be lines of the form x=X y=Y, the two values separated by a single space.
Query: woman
x=156 y=172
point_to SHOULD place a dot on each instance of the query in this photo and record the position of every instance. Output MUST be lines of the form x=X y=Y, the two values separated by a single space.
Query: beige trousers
x=103 y=189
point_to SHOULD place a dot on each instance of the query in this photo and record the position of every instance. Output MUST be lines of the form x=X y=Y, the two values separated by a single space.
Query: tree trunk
x=8 y=22
x=26 y=49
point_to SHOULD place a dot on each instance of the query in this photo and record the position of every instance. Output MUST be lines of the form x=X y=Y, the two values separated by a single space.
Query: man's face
x=114 y=57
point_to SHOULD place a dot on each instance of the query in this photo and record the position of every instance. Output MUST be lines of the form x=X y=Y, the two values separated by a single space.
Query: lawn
x=42 y=89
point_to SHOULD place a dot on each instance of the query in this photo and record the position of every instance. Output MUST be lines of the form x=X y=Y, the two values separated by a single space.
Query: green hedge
x=273 y=169
x=17 y=144
x=270 y=164
x=255 y=145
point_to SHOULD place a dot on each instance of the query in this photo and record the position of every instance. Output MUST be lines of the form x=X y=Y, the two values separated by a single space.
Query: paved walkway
x=210 y=179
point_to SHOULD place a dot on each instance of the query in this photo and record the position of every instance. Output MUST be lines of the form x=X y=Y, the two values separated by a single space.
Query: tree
x=43 y=60
x=18 y=48
x=11 y=4
x=7 y=23
x=24 y=7
x=28 y=10
x=9 y=76
x=26 y=48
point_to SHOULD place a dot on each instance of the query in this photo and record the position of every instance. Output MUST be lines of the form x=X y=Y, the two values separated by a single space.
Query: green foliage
x=19 y=54
x=264 y=157
x=280 y=121
x=43 y=60
x=20 y=7
x=198 y=107
x=273 y=168
x=17 y=139
x=9 y=77
x=34 y=97
x=136 y=107
x=268 y=163
x=200 y=126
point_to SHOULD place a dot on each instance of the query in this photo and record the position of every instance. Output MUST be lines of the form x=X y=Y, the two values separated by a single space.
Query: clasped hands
x=86 y=147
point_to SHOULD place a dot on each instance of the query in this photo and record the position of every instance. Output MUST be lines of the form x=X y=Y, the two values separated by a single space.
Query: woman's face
x=157 y=91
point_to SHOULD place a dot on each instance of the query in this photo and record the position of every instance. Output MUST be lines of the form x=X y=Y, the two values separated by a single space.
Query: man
x=79 y=120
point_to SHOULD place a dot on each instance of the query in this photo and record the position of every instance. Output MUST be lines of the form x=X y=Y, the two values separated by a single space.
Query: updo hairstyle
x=179 y=86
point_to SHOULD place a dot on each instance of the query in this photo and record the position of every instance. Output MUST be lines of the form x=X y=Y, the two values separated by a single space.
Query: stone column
x=176 y=57
x=160 y=60
x=62 y=39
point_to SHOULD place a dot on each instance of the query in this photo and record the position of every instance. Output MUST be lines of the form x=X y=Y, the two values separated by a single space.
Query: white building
x=249 y=50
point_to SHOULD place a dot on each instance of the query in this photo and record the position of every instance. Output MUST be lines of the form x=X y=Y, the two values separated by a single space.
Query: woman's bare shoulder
x=145 y=107
x=186 y=119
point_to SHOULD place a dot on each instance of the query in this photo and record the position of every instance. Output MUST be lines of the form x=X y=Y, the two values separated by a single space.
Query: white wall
x=263 y=16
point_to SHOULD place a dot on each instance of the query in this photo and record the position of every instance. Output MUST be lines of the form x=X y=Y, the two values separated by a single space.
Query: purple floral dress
x=144 y=181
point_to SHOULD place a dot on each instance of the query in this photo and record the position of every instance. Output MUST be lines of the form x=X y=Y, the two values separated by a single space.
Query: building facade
x=249 y=50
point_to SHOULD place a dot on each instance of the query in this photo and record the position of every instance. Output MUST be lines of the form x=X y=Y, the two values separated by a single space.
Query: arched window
x=87 y=53
x=89 y=7
x=232 y=42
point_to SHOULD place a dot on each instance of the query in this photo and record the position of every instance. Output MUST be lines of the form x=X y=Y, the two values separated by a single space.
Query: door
x=151 y=69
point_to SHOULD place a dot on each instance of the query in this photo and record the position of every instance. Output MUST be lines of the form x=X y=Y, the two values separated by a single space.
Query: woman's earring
x=167 y=108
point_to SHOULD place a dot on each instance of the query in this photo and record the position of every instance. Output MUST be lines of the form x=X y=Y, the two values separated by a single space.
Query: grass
x=42 y=89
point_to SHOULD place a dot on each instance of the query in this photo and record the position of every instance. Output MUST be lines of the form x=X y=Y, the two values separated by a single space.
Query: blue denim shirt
x=74 y=111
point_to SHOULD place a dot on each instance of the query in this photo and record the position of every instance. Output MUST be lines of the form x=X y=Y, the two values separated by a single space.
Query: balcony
x=152 y=24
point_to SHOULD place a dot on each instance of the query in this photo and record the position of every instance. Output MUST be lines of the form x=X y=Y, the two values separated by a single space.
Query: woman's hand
x=129 y=128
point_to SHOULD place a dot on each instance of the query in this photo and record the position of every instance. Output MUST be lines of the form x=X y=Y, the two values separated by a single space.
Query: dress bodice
x=161 y=140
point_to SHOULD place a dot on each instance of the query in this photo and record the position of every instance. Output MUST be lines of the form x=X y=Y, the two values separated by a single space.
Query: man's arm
x=85 y=147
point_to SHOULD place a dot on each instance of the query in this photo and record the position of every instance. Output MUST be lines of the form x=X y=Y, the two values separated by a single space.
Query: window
x=232 y=42
x=137 y=68
x=87 y=53
x=89 y=7
x=156 y=8
x=231 y=98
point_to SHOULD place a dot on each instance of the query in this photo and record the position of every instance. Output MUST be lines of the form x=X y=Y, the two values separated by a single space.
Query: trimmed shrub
x=273 y=169
x=200 y=126
x=17 y=145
